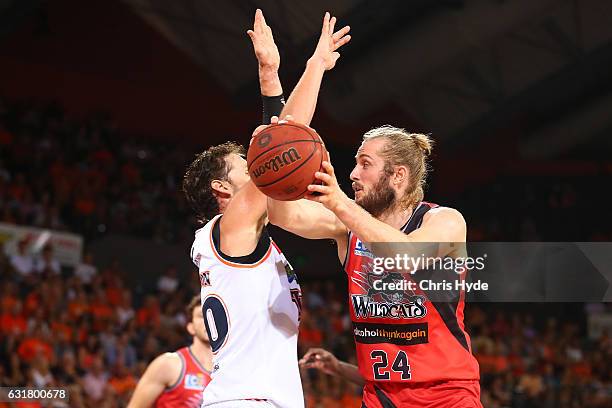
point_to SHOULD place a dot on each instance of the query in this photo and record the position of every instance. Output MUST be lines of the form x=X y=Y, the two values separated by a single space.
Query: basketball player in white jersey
x=250 y=295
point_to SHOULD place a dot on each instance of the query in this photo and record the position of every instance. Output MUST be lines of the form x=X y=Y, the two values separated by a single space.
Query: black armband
x=272 y=106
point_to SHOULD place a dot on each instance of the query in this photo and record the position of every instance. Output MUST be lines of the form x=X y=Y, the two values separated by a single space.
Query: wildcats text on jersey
x=364 y=307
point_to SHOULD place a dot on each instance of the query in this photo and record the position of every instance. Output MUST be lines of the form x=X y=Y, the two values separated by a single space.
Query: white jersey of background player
x=250 y=296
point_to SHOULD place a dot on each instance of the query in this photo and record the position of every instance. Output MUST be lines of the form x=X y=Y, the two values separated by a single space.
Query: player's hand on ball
x=329 y=193
x=263 y=43
x=274 y=120
x=329 y=42
x=321 y=360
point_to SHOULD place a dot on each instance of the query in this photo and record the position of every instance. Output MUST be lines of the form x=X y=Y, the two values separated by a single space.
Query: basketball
x=283 y=158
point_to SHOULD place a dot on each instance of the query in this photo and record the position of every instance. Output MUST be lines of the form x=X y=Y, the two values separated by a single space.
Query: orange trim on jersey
x=234 y=264
x=276 y=246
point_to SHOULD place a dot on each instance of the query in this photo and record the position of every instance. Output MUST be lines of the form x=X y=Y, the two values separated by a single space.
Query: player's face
x=371 y=184
x=238 y=175
x=197 y=322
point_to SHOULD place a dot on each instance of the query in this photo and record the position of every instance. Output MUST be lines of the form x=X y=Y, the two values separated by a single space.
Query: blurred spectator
x=122 y=382
x=168 y=282
x=40 y=373
x=22 y=262
x=95 y=381
x=47 y=264
x=86 y=270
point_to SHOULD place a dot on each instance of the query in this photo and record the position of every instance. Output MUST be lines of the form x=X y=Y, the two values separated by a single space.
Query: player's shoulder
x=204 y=230
x=168 y=360
x=167 y=367
x=447 y=216
x=201 y=239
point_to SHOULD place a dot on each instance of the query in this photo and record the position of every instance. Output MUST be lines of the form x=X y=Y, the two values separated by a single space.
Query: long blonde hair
x=405 y=149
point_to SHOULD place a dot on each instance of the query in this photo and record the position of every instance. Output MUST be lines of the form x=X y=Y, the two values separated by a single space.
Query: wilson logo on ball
x=285 y=158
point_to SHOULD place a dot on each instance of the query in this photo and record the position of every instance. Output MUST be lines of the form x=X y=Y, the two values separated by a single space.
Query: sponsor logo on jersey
x=291 y=276
x=205 y=278
x=361 y=250
x=399 y=334
x=194 y=382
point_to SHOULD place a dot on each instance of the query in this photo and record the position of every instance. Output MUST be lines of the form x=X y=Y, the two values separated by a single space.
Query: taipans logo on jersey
x=361 y=249
x=194 y=382
x=205 y=278
x=396 y=304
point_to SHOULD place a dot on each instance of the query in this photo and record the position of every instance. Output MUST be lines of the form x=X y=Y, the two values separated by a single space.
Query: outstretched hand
x=329 y=42
x=263 y=43
x=321 y=360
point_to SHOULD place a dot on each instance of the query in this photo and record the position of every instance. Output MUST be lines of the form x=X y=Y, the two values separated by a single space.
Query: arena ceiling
x=455 y=66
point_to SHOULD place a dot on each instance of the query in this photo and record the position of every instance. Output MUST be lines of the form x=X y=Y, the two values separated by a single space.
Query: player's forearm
x=269 y=81
x=282 y=213
x=303 y=100
x=351 y=373
x=366 y=227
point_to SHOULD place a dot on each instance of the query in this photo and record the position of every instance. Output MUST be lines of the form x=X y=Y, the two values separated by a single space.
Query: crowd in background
x=87 y=329
x=88 y=177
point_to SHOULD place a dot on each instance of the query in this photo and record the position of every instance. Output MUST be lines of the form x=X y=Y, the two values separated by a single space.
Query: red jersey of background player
x=404 y=339
x=187 y=391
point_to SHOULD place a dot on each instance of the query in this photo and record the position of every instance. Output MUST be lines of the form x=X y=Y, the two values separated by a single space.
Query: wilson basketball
x=283 y=158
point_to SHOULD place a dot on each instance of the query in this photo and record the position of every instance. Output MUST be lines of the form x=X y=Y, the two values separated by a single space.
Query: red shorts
x=439 y=394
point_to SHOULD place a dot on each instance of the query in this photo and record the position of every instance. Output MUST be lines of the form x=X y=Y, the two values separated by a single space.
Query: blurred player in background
x=412 y=351
x=250 y=295
x=178 y=379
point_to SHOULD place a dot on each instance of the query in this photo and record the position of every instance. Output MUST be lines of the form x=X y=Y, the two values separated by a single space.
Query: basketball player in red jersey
x=412 y=350
x=178 y=379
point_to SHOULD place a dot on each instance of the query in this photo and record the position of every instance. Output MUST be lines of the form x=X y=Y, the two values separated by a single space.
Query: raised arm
x=268 y=59
x=303 y=100
x=243 y=218
x=303 y=218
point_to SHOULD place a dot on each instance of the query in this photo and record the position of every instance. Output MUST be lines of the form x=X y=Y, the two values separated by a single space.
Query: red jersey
x=404 y=339
x=187 y=390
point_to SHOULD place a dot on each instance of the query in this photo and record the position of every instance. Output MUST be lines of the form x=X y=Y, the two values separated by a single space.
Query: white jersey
x=251 y=308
